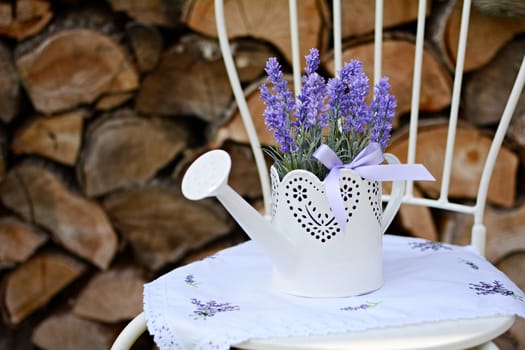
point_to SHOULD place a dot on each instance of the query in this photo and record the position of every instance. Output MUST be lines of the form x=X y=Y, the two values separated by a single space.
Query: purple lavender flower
x=351 y=94
x=382 y=110
x=337 y=103
x=333 y=112
x=496 y=287
x=209 y=309
x=279 y=107
x=312 y=61
x=311 y=108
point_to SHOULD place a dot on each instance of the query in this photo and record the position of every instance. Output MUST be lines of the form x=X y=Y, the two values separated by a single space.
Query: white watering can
x=310 y=254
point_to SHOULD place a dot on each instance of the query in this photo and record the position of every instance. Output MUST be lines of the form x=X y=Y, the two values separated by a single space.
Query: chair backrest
x=442 y=201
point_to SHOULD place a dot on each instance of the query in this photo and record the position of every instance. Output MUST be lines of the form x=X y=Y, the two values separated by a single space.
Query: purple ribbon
x=368 y=165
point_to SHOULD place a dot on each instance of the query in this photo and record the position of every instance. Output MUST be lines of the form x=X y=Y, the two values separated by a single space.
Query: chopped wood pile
x=103 y=104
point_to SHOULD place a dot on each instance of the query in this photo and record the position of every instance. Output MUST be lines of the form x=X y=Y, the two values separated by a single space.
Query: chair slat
x=378 y=40
x=456 y=94
x=238 y=93
x=294 y=36
x=338 y=38
x=416 y=91
x=503 y=125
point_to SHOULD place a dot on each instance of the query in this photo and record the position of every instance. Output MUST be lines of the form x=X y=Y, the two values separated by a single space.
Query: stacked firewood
x=103 y=104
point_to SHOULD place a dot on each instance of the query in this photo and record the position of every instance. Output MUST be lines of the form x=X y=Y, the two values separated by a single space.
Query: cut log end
x=66 y=331
x=111 y=296
x=39 y=195
x=74 y=67
x=161 y=225
x=118 y=151
x=22 y=19
x=470 y=153
x=57 y=137
x=19 y=241
x=35 y=282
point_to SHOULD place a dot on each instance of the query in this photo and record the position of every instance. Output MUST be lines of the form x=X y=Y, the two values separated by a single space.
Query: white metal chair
x=456 y=334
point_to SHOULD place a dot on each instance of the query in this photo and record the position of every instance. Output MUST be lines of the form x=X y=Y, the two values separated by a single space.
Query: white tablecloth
x=228 y=298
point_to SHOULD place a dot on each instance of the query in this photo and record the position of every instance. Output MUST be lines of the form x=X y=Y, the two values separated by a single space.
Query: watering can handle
x=396 y=196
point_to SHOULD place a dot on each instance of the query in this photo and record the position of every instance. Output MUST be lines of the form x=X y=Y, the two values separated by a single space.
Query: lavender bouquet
x=333 y=112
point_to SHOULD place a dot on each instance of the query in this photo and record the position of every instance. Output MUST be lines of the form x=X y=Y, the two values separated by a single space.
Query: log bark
x=72 y=67
x=486 y=91
x=56 y=137
x=147 y=44
x=161 y=225
x=268 y=21
x=487 y=35
x=164 y=13
x=111 y=296
x=24 y=18
x=19 y=241
x=109 y=102
x=503 y=8
x=9 y=86
x=123 y=149
x=32 y=284
x=190 y=79
x=65 y=331
x=398 y=66
x=358 y=16
x=470 y=152
x=40 y=196
x=437 y=23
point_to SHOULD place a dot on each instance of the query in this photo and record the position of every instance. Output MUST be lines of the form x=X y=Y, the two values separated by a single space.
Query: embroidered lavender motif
x=429 y=245
x=190 y=281
x=209 y=309
x=496 y=287
x=366 y=306
x=470 y=263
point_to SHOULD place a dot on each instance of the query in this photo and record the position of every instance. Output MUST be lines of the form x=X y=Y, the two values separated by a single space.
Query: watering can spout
x=208 y=177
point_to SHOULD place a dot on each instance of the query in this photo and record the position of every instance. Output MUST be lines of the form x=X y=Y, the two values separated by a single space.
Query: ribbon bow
x=368 y=165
